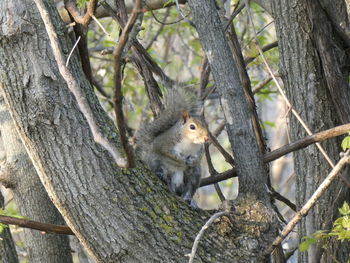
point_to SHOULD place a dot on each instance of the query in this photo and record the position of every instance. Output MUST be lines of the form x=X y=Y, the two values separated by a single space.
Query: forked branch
x=72 y=8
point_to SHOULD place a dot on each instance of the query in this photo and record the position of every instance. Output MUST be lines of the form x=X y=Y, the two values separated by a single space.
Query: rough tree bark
x=119 y=215
x=314 y=53
x=18 y=173
x=239 y=126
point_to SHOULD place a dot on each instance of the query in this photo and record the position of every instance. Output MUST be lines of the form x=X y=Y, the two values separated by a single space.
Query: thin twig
x=213 y=172
x=71 y=52
x=239 y=7
x=268 y=47
x=74 y=87
x=296 y=114
x=48 y=228
x=276 y=195
x=182 y=14
x=311 y=202
x=225 y=154
x=261 y=85
x=163 y=22
x=101 y=26
x=201 y=232
x=118 y=95
x=160 y=29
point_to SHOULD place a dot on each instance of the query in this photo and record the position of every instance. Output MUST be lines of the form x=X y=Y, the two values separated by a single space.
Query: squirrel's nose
x=206 y=138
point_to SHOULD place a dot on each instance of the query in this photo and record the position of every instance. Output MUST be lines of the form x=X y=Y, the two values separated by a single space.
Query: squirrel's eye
x=192 y=127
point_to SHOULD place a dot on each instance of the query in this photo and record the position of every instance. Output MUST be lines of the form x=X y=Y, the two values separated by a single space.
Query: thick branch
x=49 y=228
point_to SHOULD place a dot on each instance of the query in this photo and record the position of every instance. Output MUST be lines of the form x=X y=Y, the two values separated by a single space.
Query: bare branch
x=262 y=84
x=219 y=177
x=71 y=52
x=311 y=202
x=72 y=8
x=268 y=47
x=49 y=228
x=235 y=12
x=276 y=195
x=213 y=172
x=225 y=154
x=297 y=145
x=74 y=87
x=118 y=95
x=160 y=29
x=101 y=26
x=269 y=157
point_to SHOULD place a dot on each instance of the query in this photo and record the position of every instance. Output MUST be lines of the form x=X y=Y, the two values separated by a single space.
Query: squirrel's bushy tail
x=175 y=103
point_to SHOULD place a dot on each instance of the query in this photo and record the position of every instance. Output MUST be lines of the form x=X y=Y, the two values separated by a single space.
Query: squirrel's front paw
x=191 y=160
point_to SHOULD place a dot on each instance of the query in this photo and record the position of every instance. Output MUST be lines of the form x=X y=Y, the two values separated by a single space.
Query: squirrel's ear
x=185 y=116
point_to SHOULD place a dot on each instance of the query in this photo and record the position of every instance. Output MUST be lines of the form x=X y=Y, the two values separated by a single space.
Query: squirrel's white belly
x=186 y=148
x=177 y=180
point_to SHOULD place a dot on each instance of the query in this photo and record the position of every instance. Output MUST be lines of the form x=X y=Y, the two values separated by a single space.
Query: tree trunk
x=313 y=58
x=248 y=157
x=119 y=215
x=31 y=198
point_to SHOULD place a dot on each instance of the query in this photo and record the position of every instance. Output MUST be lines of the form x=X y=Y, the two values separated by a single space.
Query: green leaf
x=345 y=209
x=2 y=227
x=321 y=234
x=346 y=222
x=345 y=144
x=338 y=222
x=308 y=241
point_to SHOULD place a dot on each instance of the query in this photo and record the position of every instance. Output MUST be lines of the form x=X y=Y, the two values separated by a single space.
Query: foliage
x=345 y=144
x=340 y=230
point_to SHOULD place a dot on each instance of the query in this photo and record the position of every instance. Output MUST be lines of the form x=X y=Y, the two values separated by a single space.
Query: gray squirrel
x=173 y=144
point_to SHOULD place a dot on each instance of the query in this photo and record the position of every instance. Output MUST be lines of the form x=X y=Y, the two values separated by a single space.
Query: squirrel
x=173 y=144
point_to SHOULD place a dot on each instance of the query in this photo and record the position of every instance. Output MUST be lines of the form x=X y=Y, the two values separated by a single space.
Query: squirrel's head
x=193 y=129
